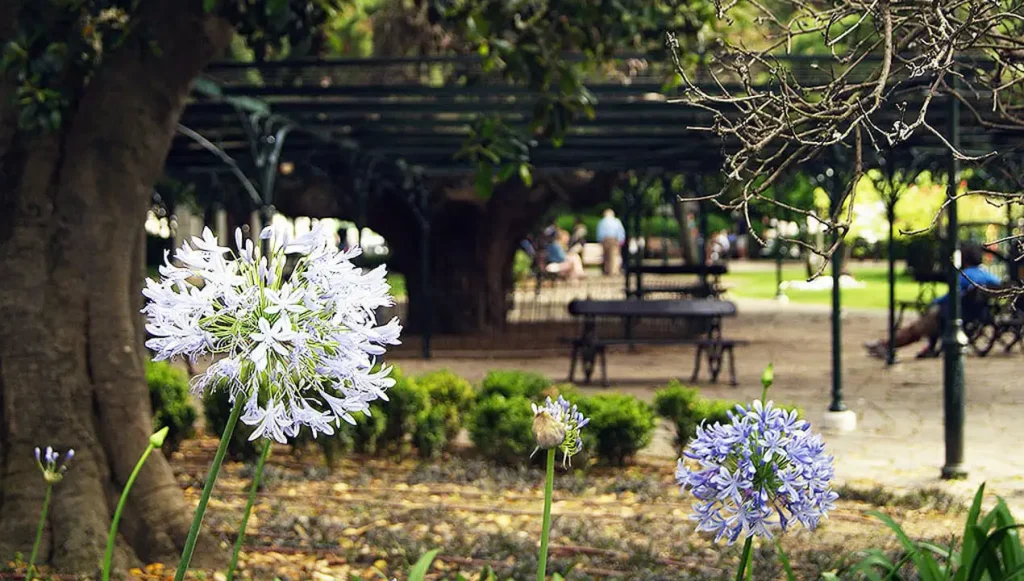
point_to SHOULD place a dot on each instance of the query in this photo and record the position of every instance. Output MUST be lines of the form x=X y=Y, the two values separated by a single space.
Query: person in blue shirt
x=568 y=265
x=612 y=235
x=972 y=274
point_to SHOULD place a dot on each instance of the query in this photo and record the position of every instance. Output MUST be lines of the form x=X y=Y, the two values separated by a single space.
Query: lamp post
x=953 y=340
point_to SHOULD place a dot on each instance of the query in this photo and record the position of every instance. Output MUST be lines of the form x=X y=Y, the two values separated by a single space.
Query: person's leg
x=606 y=256
x=925 y=326
x=577 y=265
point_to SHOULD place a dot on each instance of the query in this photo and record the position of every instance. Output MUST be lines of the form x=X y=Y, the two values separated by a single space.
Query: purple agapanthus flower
x=297 y=340
x=569 y=420
x=50 y=464
x=763 y=469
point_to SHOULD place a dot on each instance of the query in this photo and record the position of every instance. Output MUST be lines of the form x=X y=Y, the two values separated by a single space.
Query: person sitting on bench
x=930 y=323
x=568 y=265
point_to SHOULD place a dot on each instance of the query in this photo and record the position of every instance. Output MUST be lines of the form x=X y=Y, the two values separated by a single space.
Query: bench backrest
x=710 y=270
x=648 y=308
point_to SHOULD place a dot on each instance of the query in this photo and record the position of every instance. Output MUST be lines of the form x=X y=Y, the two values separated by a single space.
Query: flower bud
x=157 y=439
x=768 y=377
x=547 y=431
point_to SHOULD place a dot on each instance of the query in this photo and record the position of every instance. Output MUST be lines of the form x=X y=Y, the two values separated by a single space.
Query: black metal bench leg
x=732 y=366
x=696 y=364
x=714 y=354
x=604 y=367
x=572 y=363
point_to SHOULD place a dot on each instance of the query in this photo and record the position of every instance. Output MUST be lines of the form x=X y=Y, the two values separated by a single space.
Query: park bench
x=709 y=285
x=706 y=314
x=990 y=318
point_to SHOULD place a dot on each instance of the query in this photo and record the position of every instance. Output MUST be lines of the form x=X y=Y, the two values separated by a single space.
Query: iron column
x=835 y=207
x=953 y=340
x=890 y=214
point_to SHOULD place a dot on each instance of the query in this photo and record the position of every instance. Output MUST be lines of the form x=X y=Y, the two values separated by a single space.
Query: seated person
x=567 y=265
x=972 y=275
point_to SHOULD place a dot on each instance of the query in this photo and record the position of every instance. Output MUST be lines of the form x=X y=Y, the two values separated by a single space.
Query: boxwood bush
x=620 y=426
x=500 y=428
x=216 y=410
x=686 y=409
x=513 y=383
x=452 y=396
x=168 y=396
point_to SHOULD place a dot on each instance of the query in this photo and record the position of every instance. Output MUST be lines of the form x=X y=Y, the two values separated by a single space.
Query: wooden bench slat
x=695 y=308
x=711 y=269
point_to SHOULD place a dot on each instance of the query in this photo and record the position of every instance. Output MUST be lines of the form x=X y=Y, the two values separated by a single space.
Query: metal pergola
x=382 y=128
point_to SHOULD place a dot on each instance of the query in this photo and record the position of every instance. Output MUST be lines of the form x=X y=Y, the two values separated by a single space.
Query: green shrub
x=522 y=266
x=216 y=410
x=675 y=400
x=620 y=426
x=500 y=428
x=513 y=383
x=687 y=409
x=453 y=394
x=369 y=428
x=406 y=401
x=566 y=390
x=431 y=435
x=168 y=396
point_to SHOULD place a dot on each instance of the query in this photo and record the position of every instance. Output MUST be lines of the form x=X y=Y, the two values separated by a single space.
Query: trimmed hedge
x=169 y=401
x=453 y=394
x=217 y=410
x=500 y=428
x=512 y=383
x=685 y=407
x=620 y=426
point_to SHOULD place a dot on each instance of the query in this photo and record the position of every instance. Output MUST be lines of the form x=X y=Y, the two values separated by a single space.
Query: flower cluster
x=294 y=332
x=558 y=424
x=764 y=469
x=50 y=465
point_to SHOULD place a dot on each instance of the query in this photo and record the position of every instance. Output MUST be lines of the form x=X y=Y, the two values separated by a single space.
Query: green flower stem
x=109 y=555
x=745 y=558
x=39 y=533
x=211 y=478
x=549 y=486
x=248 y=509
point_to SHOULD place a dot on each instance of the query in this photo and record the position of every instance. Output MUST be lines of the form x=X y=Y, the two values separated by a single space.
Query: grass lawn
x=760 y=284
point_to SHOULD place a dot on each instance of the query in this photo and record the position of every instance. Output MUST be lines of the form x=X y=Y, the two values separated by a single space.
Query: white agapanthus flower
x=300 y=349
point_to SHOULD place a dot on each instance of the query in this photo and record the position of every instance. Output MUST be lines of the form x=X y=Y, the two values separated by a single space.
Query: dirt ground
x=374 y=517
x=899 y=438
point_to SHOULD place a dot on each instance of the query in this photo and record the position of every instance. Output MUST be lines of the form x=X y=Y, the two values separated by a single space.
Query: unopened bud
x=157 y=439
x=549 y=432
x=768 y=377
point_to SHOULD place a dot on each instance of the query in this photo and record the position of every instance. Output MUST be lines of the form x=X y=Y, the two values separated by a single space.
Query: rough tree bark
x=472 y=243
x=72 y=207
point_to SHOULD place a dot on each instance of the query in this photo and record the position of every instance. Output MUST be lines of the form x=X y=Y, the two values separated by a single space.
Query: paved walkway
x=899 y=440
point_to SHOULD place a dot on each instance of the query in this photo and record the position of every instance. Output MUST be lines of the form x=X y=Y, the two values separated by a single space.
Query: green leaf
x=784 y=559
x=970 y=545
x=250 y=104
x=484 y=183
x=207 y=87
x=505 y=172
x=926 y=566
x=525 y=175
x=419 y=570
x=210 y=5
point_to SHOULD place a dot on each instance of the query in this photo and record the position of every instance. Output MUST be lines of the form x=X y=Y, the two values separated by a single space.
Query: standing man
x=612 y=235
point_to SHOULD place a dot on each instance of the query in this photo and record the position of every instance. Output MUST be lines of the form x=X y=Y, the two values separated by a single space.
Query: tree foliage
x=878 y=70
x=553 y=47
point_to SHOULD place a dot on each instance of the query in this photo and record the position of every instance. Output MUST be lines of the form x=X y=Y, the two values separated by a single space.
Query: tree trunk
x=688 y=245
x=470 y=267
x=472 y=240
x=72 y=208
